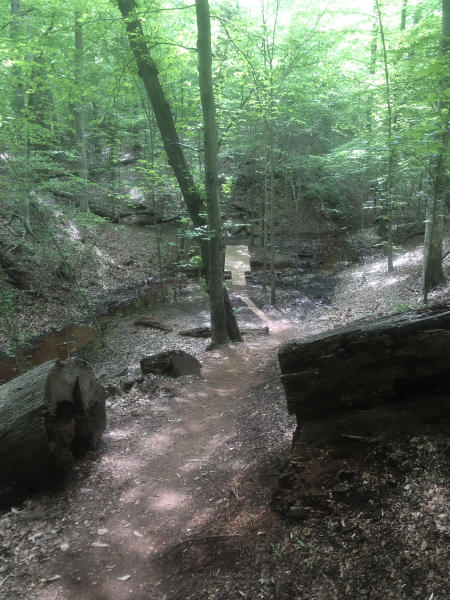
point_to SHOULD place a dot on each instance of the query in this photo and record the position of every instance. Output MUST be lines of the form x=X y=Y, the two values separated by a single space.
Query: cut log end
x=48 y=416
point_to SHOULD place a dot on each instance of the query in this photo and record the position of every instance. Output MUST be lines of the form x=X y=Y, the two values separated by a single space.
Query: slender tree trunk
x=296 y=197
x=166 y=125
x=253 y=217
x=272 y=223
x=390 y=174
x=216 y=256
x=369 y=121
x=156 y=226
x=433 y=273
x=15 y=33
x=403 y=15
x=83 y=201
x=113 y=168
x=163 y=114
x=18 y=104
x=265 y=216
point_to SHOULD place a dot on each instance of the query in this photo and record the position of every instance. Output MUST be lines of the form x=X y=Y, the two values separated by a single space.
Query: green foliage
x=276 y=550
x=195 y=261
x=400 y=305
x=87 y=219
x=16 y=340
x=298 y=93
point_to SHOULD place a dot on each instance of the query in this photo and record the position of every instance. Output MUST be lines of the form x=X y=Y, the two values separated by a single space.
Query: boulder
x=173 y=363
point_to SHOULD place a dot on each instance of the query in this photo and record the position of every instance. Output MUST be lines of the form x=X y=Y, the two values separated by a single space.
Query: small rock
x=111 y=389
x=127 y=384
x=298 y=512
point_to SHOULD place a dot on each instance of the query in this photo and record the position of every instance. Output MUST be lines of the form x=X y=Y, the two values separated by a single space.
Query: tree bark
x=216 y=253
x=47 y=416
x=403 y=15
x=386 y=361
x=163 y=114
x=272 y=223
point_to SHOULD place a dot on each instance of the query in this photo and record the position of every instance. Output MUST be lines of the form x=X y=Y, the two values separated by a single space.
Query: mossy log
x=48 y=415
x=383 y=362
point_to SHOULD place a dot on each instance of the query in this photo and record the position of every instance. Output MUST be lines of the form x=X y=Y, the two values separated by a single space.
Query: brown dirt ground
x=179 y=488
x=179 y=501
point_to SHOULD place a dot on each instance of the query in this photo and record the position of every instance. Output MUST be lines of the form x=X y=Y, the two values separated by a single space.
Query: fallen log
x=388 y=361
x=48 y=415
x=149 y=322
x=205 y=332
x=197 y=332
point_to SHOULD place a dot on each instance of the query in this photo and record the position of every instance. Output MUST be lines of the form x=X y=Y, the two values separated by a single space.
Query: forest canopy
x=334 y=112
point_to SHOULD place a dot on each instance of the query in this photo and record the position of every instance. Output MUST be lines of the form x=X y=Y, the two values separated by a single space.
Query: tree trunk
x=403 y=15
x=265 y=215
x=272 y=223
x=83 y=201
x=166 y=125
x=47 y=416
x=390 y=146
x=433 y=273
x=216 y=256
x=18 y=104
x=163 y=114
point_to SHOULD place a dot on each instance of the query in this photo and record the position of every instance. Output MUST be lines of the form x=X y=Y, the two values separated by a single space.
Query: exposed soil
x=183 y=501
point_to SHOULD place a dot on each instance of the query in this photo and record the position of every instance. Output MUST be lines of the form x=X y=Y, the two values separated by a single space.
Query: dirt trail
x=175 y=475
x=177 y=505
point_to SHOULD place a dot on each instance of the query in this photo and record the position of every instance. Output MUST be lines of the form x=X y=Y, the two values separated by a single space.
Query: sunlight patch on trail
x=237 y=260
x=169 y=500
x=252 y=306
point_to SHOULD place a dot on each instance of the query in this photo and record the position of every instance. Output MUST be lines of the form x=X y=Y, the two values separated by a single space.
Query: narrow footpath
x=179 y=502
x=184 y=481
x=178 y=477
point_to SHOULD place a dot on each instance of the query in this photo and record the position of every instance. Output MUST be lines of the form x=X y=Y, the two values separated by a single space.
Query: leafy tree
x=191 y=194
x=436 y=213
